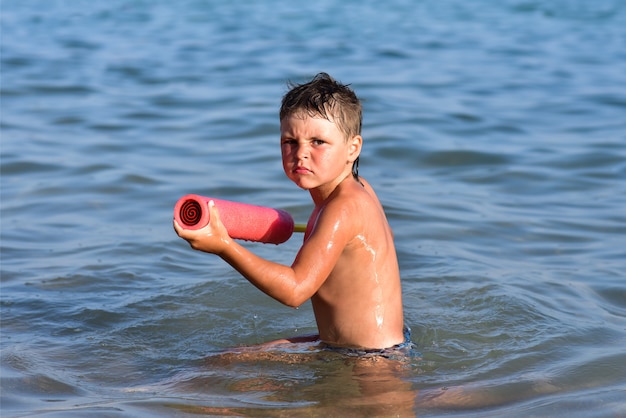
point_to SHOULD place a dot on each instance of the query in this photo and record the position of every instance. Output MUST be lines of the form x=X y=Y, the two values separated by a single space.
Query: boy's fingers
x=176 y=227
x=213 y=212
x=180 y=231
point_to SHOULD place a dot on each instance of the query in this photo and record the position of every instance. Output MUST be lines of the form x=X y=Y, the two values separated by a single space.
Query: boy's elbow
x=292 y=305
x=293 y=292
x=295 y=298
x=294 y=301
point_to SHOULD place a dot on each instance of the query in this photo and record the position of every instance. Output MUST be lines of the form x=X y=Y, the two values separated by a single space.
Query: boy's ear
x=355 y=147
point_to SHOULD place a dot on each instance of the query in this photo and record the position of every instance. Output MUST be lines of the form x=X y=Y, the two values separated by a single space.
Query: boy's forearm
x=274 y=279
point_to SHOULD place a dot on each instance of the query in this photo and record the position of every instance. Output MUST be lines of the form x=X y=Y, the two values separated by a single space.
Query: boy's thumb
x=213 y=212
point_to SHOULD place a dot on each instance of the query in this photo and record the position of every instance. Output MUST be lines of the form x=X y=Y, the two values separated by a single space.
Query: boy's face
x=315 y=151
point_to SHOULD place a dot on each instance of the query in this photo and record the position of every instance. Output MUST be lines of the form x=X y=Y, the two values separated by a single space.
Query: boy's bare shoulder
x=361 y=193
x=354 y=203
x=369 y=189
x=351 y=193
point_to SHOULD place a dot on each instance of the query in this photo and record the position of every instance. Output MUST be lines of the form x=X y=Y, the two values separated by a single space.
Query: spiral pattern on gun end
x=190 y=212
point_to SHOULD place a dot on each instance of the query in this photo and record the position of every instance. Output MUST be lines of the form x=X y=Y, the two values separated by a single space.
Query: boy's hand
x=213 y=238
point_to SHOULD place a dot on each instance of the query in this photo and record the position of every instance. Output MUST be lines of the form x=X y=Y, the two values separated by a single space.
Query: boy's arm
x=289 y=285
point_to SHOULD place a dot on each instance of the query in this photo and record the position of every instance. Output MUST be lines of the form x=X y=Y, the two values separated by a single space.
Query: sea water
x=495 y=136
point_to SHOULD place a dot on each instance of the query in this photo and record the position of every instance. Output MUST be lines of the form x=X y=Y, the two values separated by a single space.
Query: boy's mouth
x=301 y=170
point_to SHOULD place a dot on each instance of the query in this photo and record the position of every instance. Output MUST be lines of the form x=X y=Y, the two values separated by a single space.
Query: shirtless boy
x=347 y=264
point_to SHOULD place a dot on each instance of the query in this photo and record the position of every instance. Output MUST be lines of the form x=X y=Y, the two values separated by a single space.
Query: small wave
x=463 y=158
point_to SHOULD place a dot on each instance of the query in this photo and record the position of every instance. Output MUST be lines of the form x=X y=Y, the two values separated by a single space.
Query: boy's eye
x=288 y=141
x=318 y=142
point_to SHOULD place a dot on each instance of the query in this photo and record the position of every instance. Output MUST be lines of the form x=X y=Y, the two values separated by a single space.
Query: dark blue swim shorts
x=403 y=351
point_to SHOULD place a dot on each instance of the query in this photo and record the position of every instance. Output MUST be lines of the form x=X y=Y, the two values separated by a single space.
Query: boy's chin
x=301 y=184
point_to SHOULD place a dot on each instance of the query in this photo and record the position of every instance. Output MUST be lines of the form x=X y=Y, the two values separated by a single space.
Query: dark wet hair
x=324 y=96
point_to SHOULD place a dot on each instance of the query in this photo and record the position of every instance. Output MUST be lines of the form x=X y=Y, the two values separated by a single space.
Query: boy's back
x=360 y=303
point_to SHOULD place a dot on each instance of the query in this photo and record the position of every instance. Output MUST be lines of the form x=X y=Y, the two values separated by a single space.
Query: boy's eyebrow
x=289 y=136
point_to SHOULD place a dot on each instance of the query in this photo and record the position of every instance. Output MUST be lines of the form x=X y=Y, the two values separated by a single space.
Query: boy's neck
x=321 y=194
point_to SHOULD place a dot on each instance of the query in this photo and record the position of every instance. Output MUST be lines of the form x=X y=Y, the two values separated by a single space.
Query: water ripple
x=494 y=137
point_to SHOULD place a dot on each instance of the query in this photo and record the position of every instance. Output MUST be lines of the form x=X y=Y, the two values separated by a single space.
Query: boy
x=347 y=264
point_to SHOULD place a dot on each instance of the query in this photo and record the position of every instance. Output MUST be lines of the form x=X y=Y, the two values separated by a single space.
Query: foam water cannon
x=242 y=220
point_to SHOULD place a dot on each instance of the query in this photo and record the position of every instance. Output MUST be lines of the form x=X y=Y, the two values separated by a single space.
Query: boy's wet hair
x=324 y=96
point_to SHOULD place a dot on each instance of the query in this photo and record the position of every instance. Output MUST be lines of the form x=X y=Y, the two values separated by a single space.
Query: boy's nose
x=302 y=152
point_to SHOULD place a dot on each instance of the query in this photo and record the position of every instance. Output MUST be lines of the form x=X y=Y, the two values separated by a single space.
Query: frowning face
x=315 y=152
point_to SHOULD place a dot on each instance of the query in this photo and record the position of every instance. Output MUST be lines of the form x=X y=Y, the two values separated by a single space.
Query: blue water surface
x=495 y=136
